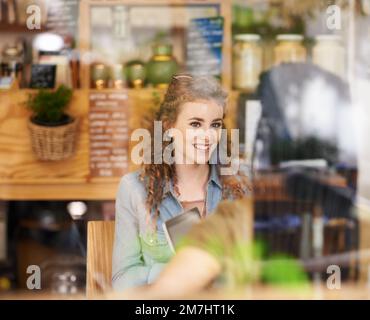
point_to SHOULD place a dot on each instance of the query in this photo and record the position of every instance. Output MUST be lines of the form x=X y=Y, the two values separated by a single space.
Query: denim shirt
x=140 y=254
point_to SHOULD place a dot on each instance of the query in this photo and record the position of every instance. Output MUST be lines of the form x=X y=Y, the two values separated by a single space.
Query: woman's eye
x=216 y=125
x=195 y=124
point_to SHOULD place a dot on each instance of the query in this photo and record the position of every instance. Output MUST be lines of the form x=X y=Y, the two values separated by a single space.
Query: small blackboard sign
x=204 y=46
x=43 y=76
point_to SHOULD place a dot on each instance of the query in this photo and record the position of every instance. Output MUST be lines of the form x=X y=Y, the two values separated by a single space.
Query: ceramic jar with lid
x=162 y=66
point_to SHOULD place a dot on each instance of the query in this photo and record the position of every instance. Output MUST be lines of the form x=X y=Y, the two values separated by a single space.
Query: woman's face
x=197 y=131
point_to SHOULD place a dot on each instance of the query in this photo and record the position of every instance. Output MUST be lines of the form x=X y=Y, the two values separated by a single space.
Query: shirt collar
x=213 y=177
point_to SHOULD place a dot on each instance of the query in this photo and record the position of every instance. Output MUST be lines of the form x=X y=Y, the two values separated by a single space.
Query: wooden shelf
x=62 y=191
x=17 y=28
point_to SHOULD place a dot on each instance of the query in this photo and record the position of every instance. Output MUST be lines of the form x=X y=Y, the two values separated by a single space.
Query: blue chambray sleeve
x=155 y=270
x=128 y=268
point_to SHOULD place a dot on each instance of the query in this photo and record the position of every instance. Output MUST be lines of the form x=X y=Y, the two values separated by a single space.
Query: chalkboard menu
x=63 y=17
x=109 y=134
x=43 y=76
x=204 y=46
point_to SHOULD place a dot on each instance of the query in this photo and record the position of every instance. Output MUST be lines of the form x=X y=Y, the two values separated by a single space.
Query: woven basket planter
x=53 y=143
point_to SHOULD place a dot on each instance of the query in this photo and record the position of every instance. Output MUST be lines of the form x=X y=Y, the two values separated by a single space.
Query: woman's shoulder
x=132 y=182
x=133 y=176
x=131 y=198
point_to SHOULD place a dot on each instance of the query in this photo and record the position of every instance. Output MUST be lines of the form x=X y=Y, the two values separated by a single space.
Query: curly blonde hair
x=183 y=88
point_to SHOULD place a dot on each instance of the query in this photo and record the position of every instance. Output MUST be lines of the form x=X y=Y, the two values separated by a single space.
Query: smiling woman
x=191 y=118
x=197 y=131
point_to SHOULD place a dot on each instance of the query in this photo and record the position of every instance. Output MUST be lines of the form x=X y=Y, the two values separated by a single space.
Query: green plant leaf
x=50 y=106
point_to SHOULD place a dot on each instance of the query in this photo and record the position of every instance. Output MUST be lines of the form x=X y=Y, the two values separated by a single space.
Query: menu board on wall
x=43 y=76
x=109 y=134
x=63 y=17
x=204 y=46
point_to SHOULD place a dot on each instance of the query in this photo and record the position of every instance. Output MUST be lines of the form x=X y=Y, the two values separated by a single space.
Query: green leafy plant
x=284 y=270
x=267 y=23
x=48 y=107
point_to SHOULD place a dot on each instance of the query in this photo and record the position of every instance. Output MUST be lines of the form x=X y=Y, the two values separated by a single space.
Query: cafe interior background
x=110 y=62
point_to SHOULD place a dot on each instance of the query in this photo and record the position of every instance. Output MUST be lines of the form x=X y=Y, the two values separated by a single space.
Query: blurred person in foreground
x=219 y=253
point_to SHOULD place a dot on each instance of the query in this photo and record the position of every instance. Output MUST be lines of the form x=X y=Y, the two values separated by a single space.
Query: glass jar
x=329 y=54
x=289 y=49
x=247 y=61
x=12 y=60
x=118 y=76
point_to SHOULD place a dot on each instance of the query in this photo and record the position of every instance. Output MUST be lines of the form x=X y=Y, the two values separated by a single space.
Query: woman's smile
x=202 y=146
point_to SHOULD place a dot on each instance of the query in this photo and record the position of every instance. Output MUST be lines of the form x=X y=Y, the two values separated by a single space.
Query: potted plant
x=52 y=130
